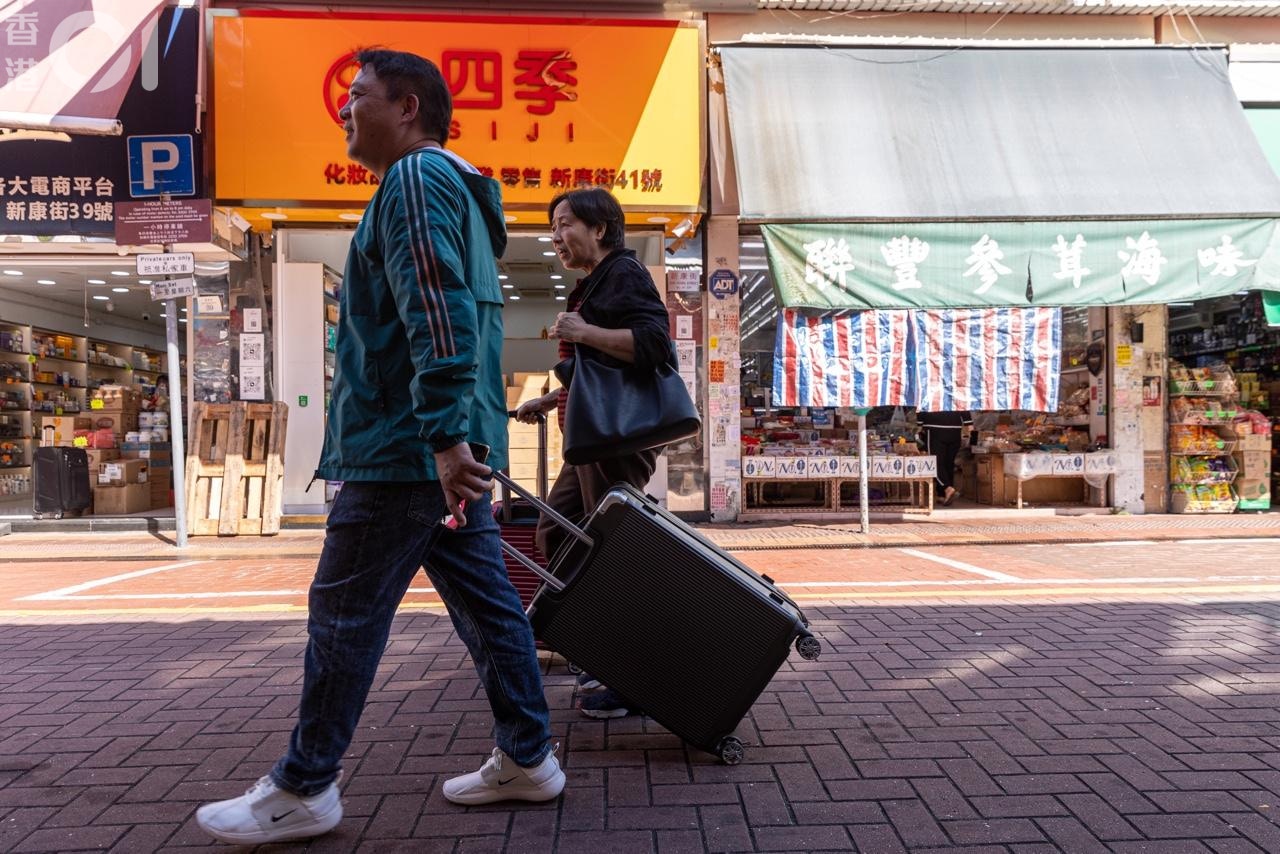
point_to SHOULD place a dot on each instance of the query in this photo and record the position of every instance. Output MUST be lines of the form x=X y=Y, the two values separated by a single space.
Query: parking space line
x=64 y=592
x=962 y=566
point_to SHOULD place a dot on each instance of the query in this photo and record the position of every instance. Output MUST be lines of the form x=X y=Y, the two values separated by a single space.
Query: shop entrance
x=69 y=325
x=535 y=286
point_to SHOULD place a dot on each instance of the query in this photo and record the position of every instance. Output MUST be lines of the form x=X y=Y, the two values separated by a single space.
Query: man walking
x=418 y=376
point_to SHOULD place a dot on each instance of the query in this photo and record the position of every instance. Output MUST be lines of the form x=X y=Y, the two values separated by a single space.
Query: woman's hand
x=528 y=411
x=569 y=326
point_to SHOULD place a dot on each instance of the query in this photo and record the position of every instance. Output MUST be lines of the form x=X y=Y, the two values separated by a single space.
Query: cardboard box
x=64 y=429
x=117 y=422
x=121 y=500
x=147 y=450
x=1254 y=489
x=1250 y=442
x=117 y=398
x=1254 y=464
x=122 y=471
x=99 y=456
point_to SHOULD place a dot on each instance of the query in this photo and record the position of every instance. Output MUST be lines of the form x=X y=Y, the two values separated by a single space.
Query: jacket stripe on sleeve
x=424 y=256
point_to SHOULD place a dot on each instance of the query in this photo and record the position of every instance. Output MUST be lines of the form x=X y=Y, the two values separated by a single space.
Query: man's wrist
x=440 y=444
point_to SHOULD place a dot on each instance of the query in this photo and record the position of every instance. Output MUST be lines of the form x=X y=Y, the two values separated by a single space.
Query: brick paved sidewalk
x=1003 y=528
x=971 y=728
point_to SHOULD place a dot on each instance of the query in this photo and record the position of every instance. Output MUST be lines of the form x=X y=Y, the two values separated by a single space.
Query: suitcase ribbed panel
x=670 y=625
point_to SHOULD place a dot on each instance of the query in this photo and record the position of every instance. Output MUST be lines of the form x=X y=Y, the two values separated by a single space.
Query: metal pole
x=175 y=418
x=864 y=475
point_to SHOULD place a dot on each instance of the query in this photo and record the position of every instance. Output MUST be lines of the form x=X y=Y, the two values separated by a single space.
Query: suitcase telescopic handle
x=543 y=507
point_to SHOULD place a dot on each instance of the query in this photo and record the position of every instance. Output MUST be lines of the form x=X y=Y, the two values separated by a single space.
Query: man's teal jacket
x=419 y=349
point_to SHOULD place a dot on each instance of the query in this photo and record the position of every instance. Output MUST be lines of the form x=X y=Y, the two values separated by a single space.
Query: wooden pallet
x=235 y=469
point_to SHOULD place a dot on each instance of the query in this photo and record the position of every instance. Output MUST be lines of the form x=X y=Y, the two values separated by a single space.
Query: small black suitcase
x=666 y=618
x=60 y=482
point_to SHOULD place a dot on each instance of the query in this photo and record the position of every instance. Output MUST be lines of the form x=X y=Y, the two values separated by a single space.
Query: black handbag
x=613 y=412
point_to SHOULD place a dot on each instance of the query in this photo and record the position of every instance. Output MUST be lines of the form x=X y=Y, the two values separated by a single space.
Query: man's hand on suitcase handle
x=463 y=477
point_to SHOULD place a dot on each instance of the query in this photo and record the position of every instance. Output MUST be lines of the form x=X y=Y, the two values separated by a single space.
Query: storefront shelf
x=60 y=359
x=1204 y=453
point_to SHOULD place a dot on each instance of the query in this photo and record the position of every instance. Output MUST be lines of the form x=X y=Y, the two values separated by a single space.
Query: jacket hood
x=488 y=195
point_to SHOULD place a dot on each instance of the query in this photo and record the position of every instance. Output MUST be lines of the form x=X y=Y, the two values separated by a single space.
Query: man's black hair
x=409 y=74
x=595 y=206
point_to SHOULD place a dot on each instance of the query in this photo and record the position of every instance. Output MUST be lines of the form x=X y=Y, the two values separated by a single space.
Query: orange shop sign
x=540 y=104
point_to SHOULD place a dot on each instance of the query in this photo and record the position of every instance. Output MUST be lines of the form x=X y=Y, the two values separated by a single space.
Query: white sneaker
x=501 y=779
x=267 y=813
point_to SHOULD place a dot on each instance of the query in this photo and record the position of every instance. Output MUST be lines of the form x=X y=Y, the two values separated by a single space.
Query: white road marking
x=1200 y=542
x=960 y=565
x=72 y=594
x=101 y=582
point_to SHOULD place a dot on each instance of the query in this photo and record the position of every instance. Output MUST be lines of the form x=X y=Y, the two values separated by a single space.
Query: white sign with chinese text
x=166 y=264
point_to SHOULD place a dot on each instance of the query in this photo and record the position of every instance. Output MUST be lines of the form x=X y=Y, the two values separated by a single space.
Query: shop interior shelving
x=50 y=372
x=1219 y=421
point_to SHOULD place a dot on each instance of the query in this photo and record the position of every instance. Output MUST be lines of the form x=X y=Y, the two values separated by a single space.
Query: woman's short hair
x=595 y=206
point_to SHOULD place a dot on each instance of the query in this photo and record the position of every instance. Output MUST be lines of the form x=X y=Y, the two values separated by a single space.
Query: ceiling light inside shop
x=183 y=310
x=560 y=298
x=182 y=320
x=13 y=272
x=102 y=297
x=555 y=277
x=119 y=272
x=502 y=277
x=544 y=239
x=144 y=281
x=549 y=254
x=120 y=290
x=97 y=282
x=508 y=287
x=45 y=282
x=515 y=296
x=560 y=287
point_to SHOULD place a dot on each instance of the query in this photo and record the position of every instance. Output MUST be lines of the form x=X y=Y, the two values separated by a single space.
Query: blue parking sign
x=161 y=164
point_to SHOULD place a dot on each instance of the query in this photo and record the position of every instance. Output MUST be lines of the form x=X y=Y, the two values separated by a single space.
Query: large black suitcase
x=663 y=616
x=60 y=482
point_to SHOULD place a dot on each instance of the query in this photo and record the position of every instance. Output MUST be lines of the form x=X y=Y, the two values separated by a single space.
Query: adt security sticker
x=722 y=283
x=161 y=164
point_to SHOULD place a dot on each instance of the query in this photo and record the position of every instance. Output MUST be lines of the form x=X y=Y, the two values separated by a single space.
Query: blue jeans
x=378 y=535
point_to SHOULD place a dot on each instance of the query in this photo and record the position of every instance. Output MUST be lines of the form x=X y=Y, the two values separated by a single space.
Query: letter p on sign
x=161 y=164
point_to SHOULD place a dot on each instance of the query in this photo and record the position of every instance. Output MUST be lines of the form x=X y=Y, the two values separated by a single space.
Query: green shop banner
x=834 y=266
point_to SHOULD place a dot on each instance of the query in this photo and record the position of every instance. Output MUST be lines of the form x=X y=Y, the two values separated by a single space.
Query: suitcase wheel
x=573 y=668
x=730 y=750
x=809 y=647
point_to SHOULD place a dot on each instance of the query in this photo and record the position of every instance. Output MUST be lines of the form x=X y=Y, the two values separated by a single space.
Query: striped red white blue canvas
x=855 y=359
x=993 y=358
x=988 y=358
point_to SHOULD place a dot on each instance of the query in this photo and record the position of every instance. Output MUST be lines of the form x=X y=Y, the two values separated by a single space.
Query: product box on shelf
x=849 y=467
x=60 y=430
x=824 y=467
x=147 y=450
x=122 y=471
x=920 y=468
x=757 y=466
x=791 y=468
x=887 y=468
x=119 y=423
x=120 y=500
x=116 y=398
x=98 y=456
